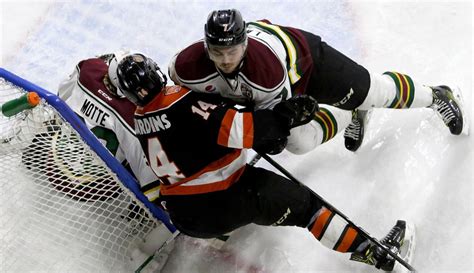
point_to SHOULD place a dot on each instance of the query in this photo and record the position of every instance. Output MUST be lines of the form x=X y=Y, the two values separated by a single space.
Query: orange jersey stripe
x=347 y=241
x=248 y=130
x=204 y=188
x=321 y=222
x=226 y=126
x=216 y=165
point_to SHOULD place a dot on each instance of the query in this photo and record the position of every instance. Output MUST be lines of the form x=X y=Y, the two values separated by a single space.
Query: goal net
x=61 y=208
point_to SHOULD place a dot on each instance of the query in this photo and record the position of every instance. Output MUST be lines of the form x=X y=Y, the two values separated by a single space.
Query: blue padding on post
x=125 y=177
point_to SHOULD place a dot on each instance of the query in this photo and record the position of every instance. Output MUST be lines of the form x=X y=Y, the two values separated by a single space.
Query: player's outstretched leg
x=354 y=133
x=448 y=108
x=400 y=240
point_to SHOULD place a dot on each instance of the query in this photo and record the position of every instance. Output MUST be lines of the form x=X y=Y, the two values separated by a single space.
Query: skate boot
x=447 y=106
x=400 y=240
x=354 y=132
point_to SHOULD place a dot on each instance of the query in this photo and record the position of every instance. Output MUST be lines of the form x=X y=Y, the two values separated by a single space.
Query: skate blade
x=465 y=122
x=407 y=250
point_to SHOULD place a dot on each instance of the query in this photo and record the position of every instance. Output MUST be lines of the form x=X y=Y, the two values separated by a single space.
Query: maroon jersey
x=277 y=63
x=108 y=116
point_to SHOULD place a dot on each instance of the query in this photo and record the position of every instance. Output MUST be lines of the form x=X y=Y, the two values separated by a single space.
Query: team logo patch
x=172 y=89
x=210 y=88
x=246 y=91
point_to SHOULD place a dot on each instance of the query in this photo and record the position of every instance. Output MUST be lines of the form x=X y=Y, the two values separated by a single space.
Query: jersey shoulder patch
x=262 y=65
x=92 y=72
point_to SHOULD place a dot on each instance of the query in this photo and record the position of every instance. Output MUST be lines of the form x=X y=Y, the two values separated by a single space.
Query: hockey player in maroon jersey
x=264 y=63
x=196 y=144
x=91 y=93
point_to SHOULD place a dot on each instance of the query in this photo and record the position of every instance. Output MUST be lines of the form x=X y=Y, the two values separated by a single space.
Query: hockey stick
x=157 y=252
x=330 y=207
x=255 y=159
x=176 y=234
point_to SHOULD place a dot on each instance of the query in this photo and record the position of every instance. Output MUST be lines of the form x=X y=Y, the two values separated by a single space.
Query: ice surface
x=408 y=167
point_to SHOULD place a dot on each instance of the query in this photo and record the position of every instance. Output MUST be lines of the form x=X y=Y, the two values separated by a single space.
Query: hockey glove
x=272 y=147
x=270 y=133
x=297 y=110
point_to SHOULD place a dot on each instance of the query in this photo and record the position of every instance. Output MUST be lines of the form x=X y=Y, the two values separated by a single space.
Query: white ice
x=408 y=167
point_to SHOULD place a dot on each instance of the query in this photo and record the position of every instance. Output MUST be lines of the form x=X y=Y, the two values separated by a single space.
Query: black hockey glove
x=270 y=132
x=297 y=110
x=272 y=147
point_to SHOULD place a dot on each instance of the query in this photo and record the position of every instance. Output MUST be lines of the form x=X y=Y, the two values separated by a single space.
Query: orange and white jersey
x=196 y=142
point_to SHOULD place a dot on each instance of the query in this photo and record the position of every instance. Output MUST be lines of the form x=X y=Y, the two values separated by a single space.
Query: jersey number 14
x=159 y=161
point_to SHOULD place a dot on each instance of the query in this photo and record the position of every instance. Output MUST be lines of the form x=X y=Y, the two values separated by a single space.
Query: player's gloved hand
x=297 y=110
x=270 y=133
x=274 y=147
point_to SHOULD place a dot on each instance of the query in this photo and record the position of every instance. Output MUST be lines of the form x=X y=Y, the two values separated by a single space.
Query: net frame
x=66 y=203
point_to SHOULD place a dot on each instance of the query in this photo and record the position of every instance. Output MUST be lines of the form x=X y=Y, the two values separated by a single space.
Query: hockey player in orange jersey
x=196 y=144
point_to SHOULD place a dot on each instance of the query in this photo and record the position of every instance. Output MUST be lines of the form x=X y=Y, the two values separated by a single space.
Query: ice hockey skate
x=354 y=133
x=449 y=107
x=400 y=240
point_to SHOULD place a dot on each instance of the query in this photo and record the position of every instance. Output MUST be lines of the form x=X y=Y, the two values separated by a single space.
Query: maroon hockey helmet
x=225 y=28
x=140 y=79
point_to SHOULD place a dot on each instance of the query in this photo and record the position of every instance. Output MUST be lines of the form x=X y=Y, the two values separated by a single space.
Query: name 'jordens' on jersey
x=151 y=124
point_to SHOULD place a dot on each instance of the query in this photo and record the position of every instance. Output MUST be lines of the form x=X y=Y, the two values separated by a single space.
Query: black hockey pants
x=260 y=196
x=335 y=79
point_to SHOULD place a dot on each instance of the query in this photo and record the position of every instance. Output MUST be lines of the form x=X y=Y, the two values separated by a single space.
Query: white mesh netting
x=61 y=208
